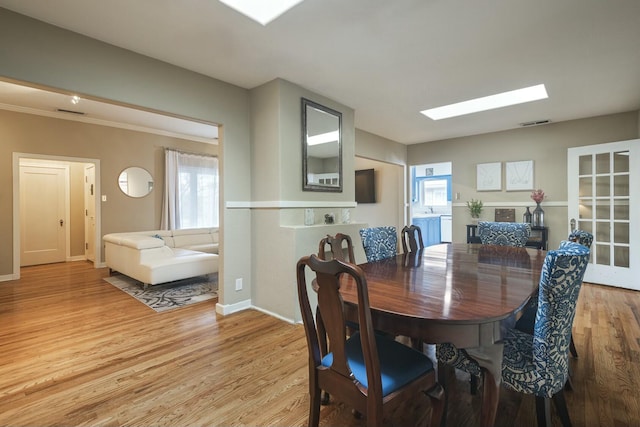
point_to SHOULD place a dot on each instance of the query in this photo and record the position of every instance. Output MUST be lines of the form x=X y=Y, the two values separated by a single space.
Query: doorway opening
x=74 y=220
x=431 y=202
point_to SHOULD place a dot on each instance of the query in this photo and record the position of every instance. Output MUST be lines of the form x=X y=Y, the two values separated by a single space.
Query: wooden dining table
x=464 y=294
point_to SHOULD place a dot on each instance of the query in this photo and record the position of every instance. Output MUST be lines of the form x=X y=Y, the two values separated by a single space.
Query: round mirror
x=135 y=182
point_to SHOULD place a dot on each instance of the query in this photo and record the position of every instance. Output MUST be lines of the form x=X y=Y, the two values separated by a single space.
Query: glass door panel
x=603 y=180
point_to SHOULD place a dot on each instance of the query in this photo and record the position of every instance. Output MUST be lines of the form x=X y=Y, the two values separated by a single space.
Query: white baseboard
x=233 y=308
x=8 y=277
x=245 y=305
x=262 y=310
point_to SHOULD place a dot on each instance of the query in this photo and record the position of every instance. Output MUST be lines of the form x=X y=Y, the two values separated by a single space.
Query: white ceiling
x=391 y=59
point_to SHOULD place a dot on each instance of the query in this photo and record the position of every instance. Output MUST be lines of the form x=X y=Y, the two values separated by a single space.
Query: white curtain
x=191 y=196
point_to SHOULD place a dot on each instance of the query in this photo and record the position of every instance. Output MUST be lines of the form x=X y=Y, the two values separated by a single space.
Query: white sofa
x=160 y=256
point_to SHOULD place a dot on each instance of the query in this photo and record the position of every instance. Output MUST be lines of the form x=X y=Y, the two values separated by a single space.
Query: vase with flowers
x=537 y=217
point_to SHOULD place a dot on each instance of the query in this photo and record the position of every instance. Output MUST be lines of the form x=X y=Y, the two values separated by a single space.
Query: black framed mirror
x=321 y=148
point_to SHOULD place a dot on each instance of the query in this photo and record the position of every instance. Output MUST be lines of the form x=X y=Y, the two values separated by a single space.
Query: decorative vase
x=537 y=217
x=526 y=218
x=309 y=216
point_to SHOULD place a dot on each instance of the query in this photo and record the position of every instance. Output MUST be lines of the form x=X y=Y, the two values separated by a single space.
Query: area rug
x=168 y=296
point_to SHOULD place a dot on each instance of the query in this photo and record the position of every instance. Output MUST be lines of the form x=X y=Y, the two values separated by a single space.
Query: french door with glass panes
x=603 y=195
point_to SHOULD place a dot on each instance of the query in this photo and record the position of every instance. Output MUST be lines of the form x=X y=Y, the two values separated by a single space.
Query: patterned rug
x=168 y=296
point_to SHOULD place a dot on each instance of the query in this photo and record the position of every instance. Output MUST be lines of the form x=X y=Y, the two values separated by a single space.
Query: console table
x=538 y=238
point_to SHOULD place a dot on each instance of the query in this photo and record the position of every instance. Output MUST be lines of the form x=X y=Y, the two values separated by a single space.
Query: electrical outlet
x=239 y=284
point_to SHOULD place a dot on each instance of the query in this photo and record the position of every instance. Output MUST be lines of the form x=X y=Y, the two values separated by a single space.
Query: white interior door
x=90 y=212
x=604 y=194
x=42 y=214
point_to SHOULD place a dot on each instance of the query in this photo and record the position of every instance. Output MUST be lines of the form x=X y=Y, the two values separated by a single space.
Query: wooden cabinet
x=538 y=239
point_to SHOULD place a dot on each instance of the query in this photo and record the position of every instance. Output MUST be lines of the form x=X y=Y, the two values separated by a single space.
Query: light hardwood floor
x=75 y=351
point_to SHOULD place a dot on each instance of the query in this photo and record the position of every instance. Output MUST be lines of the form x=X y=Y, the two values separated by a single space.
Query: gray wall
x=545 y=145
x=35 y=52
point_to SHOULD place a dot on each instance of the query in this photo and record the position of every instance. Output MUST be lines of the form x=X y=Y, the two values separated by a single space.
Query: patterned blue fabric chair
x=368 y=371
x=580 y=236
x=504 y=233
x=527 y=321
x=538 y=364
x=379 y=242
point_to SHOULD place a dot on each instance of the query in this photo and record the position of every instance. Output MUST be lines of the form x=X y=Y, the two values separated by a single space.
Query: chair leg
x=543 y=411
x=473 y=384
x=572 y=347
x=314 y=406
x=561 y=407
x=442 y=378
x=438 y=402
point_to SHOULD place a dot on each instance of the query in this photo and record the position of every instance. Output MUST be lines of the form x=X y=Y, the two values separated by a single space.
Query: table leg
x=490 y=360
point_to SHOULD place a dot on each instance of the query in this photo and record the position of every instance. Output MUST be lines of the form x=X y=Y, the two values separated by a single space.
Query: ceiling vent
x=79 y=113
x=535 y=123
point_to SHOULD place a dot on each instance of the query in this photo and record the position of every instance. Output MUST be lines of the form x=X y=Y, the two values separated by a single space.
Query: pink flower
x=537 y=195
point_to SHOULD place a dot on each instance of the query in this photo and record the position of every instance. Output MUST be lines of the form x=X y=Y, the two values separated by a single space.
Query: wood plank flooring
x=76 y=351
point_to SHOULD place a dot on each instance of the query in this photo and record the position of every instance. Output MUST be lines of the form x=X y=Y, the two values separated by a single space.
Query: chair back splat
x=504 y=233
x=370 y=372
x=337 y=248
x=411 y=239
x=379 y=243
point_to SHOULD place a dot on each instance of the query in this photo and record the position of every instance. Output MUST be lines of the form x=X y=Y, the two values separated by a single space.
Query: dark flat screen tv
x=365 y=186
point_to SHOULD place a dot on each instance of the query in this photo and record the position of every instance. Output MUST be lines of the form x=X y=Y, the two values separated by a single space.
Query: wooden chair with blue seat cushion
x=337 y=251
x=370 y=372
x=504 y=233
x=538 y=364
x=379 y=242
x=411 y=236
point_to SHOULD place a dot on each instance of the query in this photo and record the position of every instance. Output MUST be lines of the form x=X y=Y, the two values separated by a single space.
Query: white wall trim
x=225 y=309
x=287 y=204
x=507 y=204
x=271 y=313
x=8 y=277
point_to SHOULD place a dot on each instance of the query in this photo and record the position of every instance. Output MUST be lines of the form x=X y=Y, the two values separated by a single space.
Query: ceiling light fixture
x=260 y=10
x=504 y=99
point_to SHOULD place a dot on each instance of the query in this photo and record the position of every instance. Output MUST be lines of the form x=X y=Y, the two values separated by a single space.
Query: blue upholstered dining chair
x=504 y=233
x=379 y=242
x=580 y=236
x=368 y=371
x=527 y=321
x=538 y=364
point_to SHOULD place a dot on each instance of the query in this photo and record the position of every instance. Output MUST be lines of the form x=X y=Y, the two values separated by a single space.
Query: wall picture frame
x=489 y=176
x=519 y=175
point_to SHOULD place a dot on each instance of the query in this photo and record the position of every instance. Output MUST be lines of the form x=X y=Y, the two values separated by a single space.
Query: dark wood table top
x=453 y=283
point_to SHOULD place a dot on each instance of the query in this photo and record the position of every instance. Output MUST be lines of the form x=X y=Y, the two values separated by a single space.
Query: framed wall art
x=489 y=176
x=519 y=175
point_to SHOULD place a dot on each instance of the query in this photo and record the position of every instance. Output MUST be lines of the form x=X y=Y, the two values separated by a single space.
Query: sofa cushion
x=136 y=241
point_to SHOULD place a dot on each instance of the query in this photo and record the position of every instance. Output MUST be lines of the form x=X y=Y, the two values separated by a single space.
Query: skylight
x=260 y=10
x=504 y=99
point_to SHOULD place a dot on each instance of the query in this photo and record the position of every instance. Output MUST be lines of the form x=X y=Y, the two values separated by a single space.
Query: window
x=191 y=192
